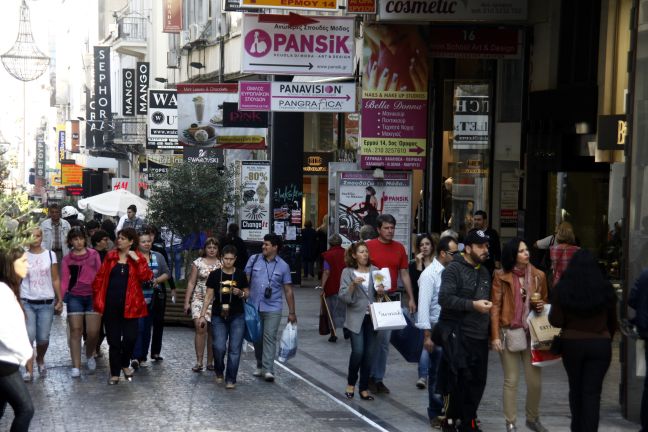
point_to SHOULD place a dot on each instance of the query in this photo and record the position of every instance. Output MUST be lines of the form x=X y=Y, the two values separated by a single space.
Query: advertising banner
x=452 y=10
x=157 y=165
x=324 y=47
x=40 y=158
x=60 y=133
x=212 y=156
x=200 y=119
x=233 y=117
x=141 y=89
x=394 y=97
x=322 y=5
x=255 y=191
x=172 y=16
x=128 y=92
x=163 y=120
x=71 y=174
x=362 y=198
x=471 y=117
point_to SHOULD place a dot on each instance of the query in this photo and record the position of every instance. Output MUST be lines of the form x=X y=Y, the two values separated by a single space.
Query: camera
x=268 y=292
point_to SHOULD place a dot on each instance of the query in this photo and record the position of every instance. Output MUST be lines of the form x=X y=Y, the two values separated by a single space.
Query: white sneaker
x=27 y=377
x=143 y=364
x=421 y=383
x=257 y=372
x=75 y=373
x=269 y=377
x=91 y=364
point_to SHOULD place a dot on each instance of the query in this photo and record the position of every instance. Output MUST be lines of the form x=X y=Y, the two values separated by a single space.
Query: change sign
x=325 y=46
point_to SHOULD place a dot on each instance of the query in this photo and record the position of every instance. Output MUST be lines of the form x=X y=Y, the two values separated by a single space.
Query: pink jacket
x=89 y=264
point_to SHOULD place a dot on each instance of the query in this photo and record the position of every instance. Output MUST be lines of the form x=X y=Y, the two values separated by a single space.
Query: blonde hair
x=565 y=233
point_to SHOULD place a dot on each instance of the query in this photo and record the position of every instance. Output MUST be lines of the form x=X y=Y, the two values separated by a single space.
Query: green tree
x=16 y=222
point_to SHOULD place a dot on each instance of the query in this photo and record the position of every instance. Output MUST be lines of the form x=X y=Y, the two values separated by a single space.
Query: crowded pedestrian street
x=307 y=394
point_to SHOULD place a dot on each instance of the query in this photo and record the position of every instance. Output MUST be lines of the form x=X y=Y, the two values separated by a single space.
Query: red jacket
x=335 y=258
x=138 y=272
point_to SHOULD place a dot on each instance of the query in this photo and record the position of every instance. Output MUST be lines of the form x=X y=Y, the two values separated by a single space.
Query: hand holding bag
x=288 y=345
x=387 y=315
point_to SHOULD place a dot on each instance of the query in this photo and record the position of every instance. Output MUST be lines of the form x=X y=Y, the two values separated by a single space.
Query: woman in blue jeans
x=15 y=348
x=227 y=289
x=356 y=288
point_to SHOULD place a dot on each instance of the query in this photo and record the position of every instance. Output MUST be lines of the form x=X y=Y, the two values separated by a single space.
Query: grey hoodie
x=458 y=290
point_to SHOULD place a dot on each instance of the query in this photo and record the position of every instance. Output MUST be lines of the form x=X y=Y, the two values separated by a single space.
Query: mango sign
x=323 y=47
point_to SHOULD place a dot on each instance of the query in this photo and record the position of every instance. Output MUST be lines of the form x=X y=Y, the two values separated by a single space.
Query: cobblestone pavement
x=306 y=396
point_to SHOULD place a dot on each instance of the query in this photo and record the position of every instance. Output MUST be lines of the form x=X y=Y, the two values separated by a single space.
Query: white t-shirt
x=38 y=283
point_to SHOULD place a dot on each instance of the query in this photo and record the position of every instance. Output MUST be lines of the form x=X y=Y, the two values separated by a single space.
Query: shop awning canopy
x=114 y=203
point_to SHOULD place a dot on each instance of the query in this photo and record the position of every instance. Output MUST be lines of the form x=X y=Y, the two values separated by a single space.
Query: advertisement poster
x=471 y=117
x=326 y=46
x=162 y=120
x=200 y=119
x=71 y=174
x=362 y=198
x=255 y=192
x=394 y=97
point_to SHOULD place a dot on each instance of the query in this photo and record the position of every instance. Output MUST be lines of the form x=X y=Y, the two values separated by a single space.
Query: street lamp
x=197 y=65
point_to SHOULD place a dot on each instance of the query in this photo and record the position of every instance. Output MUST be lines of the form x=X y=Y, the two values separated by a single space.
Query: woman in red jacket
x=118 y=296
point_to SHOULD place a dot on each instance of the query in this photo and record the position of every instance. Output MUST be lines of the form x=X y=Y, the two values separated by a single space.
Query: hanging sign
x=141 y=90
x=128 y=92
x=163 y=120
x=297 y=97
x=324 y=47
x=255 y=212
x=172 y=16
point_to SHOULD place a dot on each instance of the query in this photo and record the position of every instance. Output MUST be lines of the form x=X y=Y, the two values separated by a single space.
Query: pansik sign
x=325 y=47
x=128 y=92
x=453 y=10
x=141 y=93
x=163 y=120
x=255 y=190
x=471 y=117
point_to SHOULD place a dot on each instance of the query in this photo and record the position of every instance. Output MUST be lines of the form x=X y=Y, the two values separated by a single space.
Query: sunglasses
x=452 y=253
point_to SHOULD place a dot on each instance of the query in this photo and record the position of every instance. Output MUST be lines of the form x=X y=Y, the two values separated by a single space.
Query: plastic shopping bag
x=288 y=344
x=542 y=358
x=252 y=323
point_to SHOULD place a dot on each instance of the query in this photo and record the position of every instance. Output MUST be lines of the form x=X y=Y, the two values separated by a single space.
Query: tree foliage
x=16 y=222
x=193 y=197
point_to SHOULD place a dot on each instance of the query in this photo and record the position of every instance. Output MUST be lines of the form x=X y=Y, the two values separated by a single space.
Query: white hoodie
x=14 y=342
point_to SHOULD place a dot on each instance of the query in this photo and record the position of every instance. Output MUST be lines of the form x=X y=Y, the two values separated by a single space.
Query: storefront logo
x=258 y=43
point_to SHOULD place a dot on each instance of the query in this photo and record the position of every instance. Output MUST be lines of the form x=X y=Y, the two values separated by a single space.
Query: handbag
x=515 y=340
x=408 y=341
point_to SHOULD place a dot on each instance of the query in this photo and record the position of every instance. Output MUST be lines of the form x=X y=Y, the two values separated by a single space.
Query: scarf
x=521 y=306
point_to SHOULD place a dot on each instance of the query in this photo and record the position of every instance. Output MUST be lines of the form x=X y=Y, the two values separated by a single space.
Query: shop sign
x=172 y=16
x=157 y=165
x=255 y=190
x=325 y=47
x=316 y=163
x=471 y=117
x=233 y=117
x=71 y=174
x=321 y=5
x=361 y=6
x=141 y=89
x=313 y=97
x=102 y=91
x=201 y=116
x=74 y=190
x=162 y=120
x=452 y=10
x=128 y=92
x=612 y=132
x=394 y=109
x=509 y=187
x=60 y=130
x=485 y=43
x=255 y=96
x=73 y=136
x=212 y=156
x=117 y=183
x=362 y=198
x=40 y=158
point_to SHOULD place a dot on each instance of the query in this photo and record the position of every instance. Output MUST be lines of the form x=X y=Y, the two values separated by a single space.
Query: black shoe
x=332 y=339
x=347 y=333
x=156 y=357
x=135 y=364
x=381 y=388
x=372 y=386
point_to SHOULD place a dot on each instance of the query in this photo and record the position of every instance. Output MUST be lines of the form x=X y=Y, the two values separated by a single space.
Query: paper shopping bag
x=387 y=316
x=542 y=332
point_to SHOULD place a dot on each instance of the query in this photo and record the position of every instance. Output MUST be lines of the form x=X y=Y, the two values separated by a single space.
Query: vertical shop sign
x=172 y=16
x=394 y=97
x=362 y=198
x=94 y=132
x=40 y=158
x=60 y=131
x=255 y=190
x=102 y=92
x=73 y=136
x=162 y=120
x=471 y=117
x=141 y=89
x=128 y=92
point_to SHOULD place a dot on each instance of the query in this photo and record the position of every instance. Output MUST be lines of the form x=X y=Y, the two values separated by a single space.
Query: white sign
x=312 y=97
x=255 y=191
x=163 y=119
x=452 y=10
x=326 y=47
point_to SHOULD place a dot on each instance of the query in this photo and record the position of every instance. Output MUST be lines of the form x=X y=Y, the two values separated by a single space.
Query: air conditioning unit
x=184 y=39
x=195 y=32
x=172 y=60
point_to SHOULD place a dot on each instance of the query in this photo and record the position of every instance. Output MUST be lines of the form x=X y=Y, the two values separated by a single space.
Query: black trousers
x=586 y=362
x=14 y=392
x=464 y=397
x=159 y=308
x=644 y=397
x=121 y=334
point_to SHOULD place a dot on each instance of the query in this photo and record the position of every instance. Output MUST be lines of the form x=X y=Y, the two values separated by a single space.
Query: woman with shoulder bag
x=511 y=292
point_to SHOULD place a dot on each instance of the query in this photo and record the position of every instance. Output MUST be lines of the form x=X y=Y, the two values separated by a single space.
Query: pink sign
x=254 y=96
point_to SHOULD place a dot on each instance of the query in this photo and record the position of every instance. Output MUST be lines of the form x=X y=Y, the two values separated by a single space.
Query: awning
x=94 y=162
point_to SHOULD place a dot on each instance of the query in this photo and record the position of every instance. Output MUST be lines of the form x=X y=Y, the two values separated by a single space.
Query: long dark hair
x=7 y=272
x=582 y=288
x=509 y=253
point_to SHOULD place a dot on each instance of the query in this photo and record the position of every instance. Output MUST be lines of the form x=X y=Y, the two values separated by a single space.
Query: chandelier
x=24 y=61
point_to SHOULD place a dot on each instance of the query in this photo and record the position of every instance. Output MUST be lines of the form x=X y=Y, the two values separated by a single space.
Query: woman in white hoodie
x=15 y=348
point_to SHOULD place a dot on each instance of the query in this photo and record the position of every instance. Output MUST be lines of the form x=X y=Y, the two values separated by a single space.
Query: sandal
x=197 y=368
x=349 y=394
x=366 y=396
x=210 y=367
x=113 y=380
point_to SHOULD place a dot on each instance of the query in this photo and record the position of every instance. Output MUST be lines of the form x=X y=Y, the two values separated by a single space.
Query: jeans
x=266 y=348
x=379 y=364
x=232 y=328
x=39 y=321
x=644 y=397
x=14 y=392
x=159 y=309
x=79 y=305
x=363 y=345
x=121 y=334
x=435 y=402
x=140 y=351
x=175 y=257
x=424 y=363
x=586 y=362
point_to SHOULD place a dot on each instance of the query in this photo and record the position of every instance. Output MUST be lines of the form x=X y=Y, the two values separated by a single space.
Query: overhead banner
x=453 y=10
x=157 y=165
x=255 y=190
x=40 y=162
x=172 y=16
x=162 y=120
x=141 y=89
x=394 y=97
x=213 y=156
x=128 y=92
x=297 y=97
x=471 y=117
x=200 y=119
x=362 y=198
x=324 y=47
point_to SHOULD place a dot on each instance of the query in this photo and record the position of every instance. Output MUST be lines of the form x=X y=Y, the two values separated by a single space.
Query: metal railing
x=132 y=28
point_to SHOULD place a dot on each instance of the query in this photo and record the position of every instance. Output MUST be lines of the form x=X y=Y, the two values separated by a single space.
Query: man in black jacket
x=465 y=304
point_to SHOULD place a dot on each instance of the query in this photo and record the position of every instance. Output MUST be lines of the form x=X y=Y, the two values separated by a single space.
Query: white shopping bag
x=382 y=277
x=387 y=316
x=288 y=343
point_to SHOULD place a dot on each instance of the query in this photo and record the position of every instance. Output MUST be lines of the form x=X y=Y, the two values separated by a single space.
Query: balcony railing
x=132 y=28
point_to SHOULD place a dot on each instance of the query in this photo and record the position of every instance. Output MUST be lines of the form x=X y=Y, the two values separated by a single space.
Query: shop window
x=319 y=134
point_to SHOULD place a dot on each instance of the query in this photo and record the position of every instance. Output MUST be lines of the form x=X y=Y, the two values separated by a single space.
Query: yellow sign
x=71 y=174
x=291 y=4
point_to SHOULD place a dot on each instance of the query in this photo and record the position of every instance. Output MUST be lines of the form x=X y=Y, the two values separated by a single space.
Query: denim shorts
x=78 y=305
x=38 y=320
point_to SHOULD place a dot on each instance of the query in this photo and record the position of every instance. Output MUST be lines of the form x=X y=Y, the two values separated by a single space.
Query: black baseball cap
x=476 y=237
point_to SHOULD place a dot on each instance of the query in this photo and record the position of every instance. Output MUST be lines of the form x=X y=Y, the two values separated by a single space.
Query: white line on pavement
x=333 y=398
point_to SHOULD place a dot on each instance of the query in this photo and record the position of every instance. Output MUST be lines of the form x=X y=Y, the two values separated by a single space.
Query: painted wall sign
x=486 y=43
x=255 y=190
x=322 y=5
x=233 y=117
x=325 y=47
x=162 y=120
x=172 y=16
x=452 y=10
x=128 y=92
x=141 y=90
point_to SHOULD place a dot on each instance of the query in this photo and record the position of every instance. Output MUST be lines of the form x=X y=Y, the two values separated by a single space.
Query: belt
x=38 y=302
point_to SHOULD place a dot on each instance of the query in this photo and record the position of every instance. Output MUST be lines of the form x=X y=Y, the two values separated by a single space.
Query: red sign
x=172 y=16
x=361 y=6
x=493 y=43
x=74 y=190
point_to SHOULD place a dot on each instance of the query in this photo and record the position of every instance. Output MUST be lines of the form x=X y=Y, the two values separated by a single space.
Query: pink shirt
x=88 y=264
